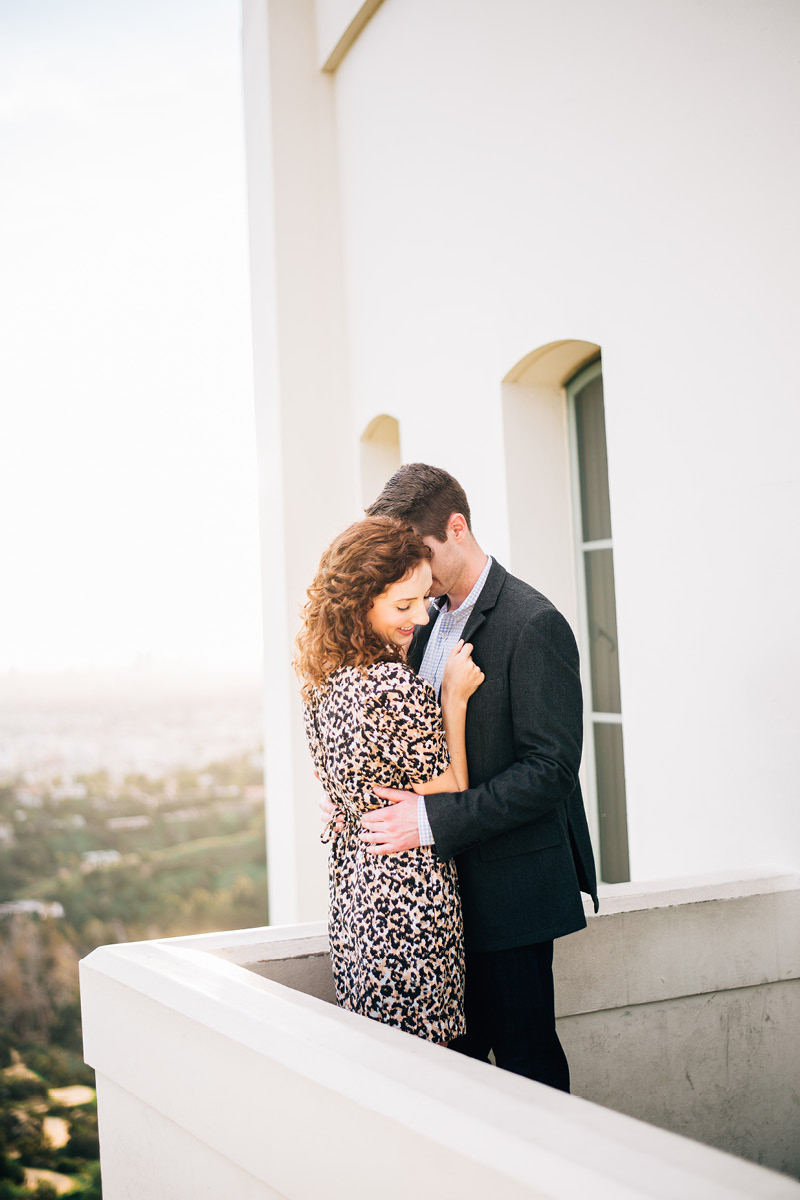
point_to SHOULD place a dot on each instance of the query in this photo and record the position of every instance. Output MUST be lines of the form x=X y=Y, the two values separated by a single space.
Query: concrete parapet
x=222 y=1071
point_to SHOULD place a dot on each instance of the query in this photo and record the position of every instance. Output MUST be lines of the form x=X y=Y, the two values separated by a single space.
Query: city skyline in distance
x=148 y=718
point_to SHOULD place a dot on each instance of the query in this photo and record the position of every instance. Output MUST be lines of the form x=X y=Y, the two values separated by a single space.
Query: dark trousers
x=510 y=1011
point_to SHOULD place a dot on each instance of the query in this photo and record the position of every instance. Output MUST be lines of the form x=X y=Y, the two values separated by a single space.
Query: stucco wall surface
x=721 y=1067
x=518 y=173
x=473 y=182
x=145 y=1154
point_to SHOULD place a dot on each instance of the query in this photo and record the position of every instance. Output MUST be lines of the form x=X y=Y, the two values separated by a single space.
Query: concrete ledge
x=681 y=938
x=693 y=889
x=678 y=1005
x=257 y=1089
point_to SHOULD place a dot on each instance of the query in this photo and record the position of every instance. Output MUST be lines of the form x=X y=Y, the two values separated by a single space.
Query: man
x=519 y=833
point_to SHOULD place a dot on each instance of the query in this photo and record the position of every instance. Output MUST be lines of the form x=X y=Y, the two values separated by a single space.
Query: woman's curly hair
x=356 y=568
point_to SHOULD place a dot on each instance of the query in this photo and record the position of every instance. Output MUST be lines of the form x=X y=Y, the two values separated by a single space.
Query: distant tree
x=32 y=854
x=95 y=933
x=45 y=1191
x=39 y=969
x=187 y=780
x=239 y=770
x=83 y=1142
x=24 y=1131
x=10 y=1169
x=69 y=1166
x=98 y=783
x=57 y=1065
x=92 y=1189
x=137 y=781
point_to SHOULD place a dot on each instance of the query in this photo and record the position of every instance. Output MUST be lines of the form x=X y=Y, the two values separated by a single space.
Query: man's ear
x=458 y=526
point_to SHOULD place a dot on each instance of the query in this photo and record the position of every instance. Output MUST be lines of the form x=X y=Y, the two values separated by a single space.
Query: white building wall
x=516 y=174
x=307 y=459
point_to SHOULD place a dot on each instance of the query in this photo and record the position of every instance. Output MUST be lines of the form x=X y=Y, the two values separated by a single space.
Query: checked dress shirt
x=445 y=635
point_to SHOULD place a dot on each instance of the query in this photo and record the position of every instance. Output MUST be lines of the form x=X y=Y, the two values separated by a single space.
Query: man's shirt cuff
x=426 y=837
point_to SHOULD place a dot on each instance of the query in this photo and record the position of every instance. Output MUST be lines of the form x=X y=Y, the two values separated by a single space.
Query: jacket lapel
x=486 y=601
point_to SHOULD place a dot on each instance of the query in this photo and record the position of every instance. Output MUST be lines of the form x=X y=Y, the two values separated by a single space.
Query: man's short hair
x=426 y=497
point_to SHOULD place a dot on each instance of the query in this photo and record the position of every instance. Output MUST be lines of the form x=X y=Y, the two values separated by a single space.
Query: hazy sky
x=128 y=490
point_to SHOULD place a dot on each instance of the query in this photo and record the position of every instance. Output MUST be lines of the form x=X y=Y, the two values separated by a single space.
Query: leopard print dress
x=394 y=920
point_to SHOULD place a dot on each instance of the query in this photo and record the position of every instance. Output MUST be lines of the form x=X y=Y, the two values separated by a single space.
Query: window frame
x=572 y=388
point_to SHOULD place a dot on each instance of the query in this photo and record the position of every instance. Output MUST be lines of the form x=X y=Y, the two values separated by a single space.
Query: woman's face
x=402 y=606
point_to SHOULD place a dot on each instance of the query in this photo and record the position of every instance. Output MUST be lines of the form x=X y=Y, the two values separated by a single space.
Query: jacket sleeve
x=547 y=717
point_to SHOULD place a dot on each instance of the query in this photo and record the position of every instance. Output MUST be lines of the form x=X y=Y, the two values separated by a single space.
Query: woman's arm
x=447 y=781
x=461 y=678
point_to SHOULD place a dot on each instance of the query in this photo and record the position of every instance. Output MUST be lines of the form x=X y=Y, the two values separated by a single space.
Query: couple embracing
x=447 y=740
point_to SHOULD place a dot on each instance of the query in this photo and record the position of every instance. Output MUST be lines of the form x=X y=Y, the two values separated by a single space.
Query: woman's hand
x=461 y=676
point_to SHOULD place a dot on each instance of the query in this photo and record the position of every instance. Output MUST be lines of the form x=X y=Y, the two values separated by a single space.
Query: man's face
x=447 y=563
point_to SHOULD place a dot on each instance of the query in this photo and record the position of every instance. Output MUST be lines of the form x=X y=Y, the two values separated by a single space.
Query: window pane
x=614 y=864
x=602 y=613
x=590 y=423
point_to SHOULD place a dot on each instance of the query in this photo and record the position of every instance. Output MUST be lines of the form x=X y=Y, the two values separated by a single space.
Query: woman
x=394 y=920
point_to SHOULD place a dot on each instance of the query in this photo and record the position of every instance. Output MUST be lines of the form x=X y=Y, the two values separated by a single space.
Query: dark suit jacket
x=519 y=833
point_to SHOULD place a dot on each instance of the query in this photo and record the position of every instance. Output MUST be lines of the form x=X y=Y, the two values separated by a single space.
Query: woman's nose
x=421 y=615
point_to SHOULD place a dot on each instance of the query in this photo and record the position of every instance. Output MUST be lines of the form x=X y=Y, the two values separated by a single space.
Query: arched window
x=560 y=541
x=380 y=456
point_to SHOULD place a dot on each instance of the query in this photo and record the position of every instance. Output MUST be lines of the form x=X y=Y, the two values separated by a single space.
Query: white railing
x=224 y=1070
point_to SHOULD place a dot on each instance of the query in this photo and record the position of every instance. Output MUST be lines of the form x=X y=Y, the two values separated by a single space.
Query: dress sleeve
x=402 y=722
x=311 y=733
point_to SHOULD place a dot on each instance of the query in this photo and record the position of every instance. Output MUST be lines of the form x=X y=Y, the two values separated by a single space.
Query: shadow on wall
x=380 y=455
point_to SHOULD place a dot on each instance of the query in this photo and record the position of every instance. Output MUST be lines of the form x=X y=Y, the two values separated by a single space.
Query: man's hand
x=389 y=830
